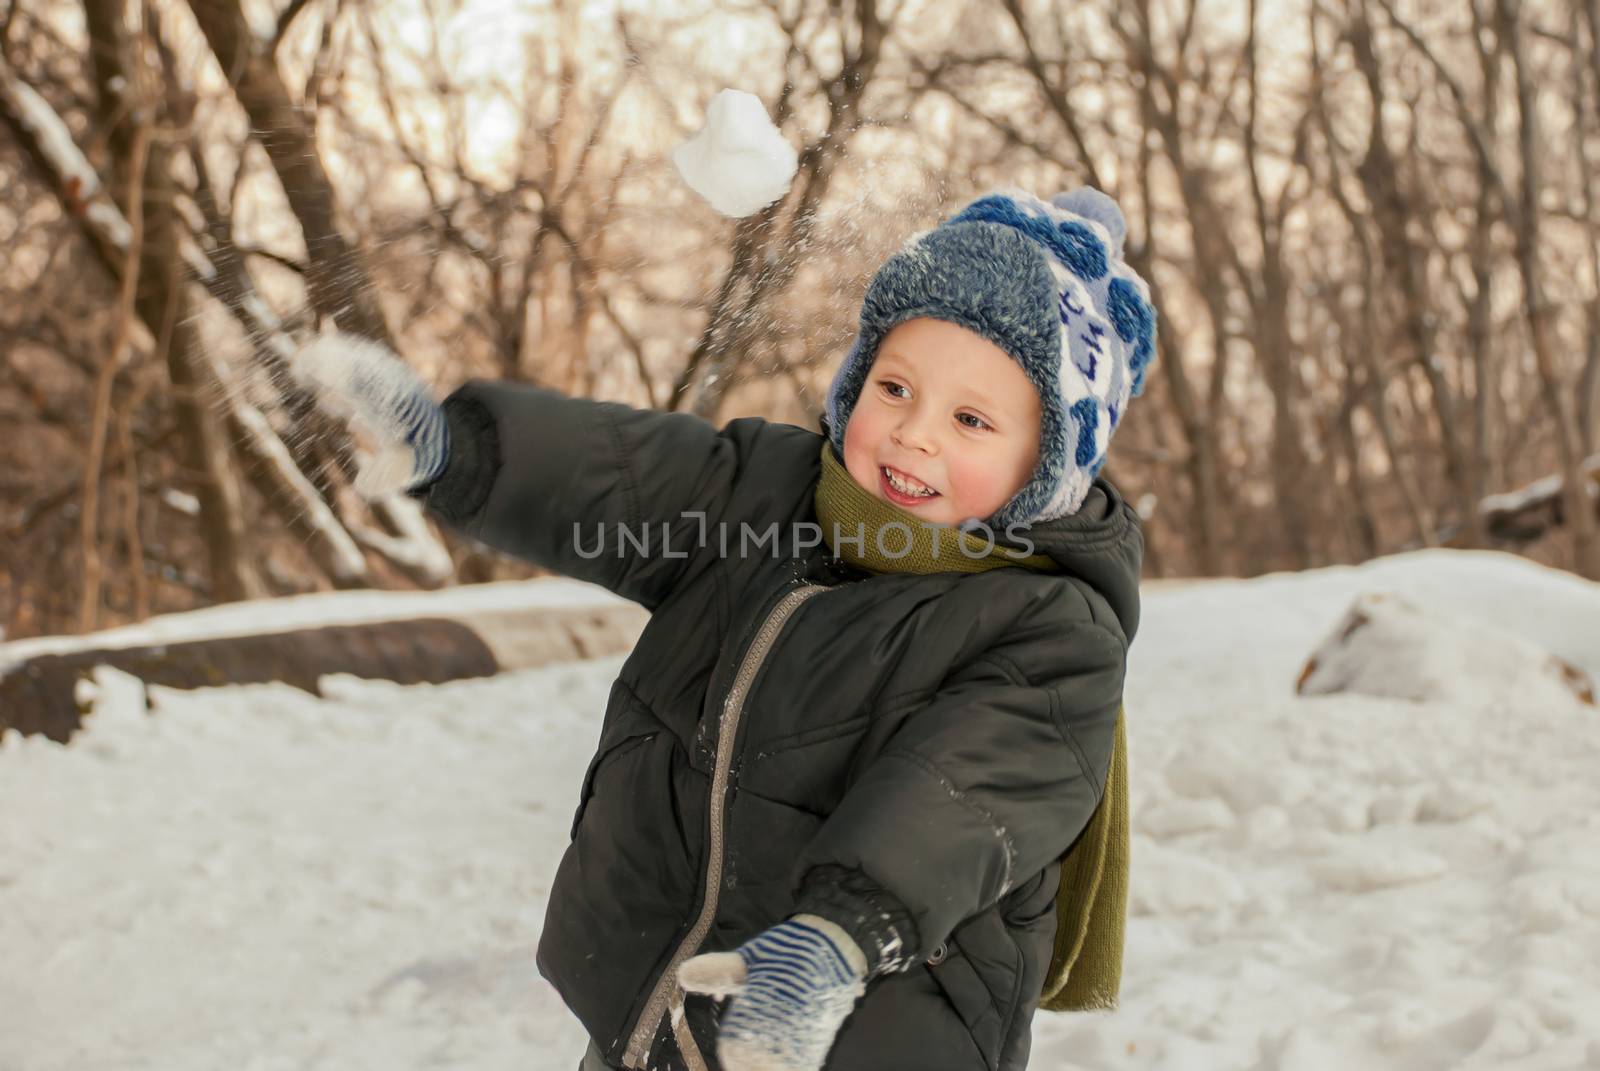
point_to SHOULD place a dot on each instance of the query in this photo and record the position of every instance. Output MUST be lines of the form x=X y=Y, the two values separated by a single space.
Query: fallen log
x=39 y=693
x=1522 y=516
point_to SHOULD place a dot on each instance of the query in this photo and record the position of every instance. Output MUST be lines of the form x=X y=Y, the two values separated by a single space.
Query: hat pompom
x=1090 y=203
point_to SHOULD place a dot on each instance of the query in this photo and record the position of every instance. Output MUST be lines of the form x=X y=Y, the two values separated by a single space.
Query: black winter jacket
x=907 y=755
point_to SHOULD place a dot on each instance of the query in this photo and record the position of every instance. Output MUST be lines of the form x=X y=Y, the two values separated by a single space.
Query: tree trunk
x=337 y=284
x=206 y=452
x=1393 y=213
x=161 y=287
x=1274 y=343
x=1199 y=422
x=1486 y=471
x=1556 y=395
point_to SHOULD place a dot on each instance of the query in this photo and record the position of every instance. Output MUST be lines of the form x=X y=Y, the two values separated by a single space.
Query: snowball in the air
x=739 y=163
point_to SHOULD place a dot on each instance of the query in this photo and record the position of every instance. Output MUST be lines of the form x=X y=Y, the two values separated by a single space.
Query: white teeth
x=906 y=485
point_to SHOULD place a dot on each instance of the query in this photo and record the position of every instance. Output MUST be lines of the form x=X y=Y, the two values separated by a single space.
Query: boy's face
x=943 y=410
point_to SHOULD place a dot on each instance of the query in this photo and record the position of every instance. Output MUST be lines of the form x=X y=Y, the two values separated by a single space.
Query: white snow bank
x=1387 y=646
x=253 y=878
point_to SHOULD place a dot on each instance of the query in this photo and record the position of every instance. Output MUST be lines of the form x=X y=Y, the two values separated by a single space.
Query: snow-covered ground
x=252 y=878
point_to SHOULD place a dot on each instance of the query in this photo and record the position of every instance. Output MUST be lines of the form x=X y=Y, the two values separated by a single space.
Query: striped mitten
x=357 y=378
x=792 y=986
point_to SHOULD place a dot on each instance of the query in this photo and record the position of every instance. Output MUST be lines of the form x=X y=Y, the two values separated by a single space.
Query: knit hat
x=1045 y=282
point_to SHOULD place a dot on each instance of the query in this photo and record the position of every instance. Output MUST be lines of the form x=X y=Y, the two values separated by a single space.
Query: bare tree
x=1330 y=206
x=1558 y=396
x=1394 y=218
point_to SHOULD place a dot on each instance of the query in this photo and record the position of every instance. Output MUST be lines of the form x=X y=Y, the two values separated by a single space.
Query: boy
x=838 y=772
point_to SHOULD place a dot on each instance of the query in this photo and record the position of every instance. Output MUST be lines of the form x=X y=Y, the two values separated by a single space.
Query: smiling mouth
x=902 y=488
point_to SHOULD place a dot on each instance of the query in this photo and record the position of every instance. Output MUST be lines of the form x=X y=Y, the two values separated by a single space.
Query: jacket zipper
x=666 y=988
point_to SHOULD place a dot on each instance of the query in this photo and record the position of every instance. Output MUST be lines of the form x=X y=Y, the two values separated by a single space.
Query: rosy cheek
x=860 y=441
x=979 y=487
x=965 y=484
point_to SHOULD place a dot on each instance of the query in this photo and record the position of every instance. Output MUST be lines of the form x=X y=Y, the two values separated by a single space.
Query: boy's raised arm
x=977 y=791
x=580 y=486
x=576 y=485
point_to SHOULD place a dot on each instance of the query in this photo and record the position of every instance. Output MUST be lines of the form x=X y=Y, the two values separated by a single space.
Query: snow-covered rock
x=1388 y=646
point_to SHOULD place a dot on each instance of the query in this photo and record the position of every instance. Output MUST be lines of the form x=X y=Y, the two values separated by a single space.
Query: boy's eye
x=977 y=421
x=890 y=386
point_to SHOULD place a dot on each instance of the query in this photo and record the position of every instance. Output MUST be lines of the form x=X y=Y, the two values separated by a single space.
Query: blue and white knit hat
x=1044 y=281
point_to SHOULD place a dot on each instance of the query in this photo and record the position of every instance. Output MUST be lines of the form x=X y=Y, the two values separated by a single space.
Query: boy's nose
x=912 y=433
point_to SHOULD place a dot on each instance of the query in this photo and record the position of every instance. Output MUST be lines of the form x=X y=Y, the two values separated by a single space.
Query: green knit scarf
x=864 y=520
x=1091 y=905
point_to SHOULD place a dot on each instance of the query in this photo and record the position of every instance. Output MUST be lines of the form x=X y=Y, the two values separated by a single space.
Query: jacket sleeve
x=977 y=791
x=579 y=486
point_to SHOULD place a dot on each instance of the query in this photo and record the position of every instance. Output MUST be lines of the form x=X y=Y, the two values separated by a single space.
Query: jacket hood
x=1103 y=545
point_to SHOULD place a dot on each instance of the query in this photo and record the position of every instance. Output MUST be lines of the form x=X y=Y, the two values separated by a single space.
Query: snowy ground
x=255 y=879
